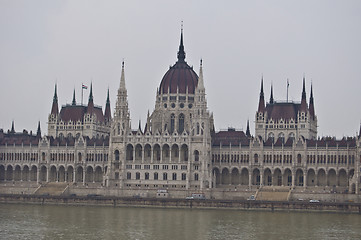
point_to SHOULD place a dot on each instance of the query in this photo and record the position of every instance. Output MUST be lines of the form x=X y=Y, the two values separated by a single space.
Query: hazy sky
x=75 y=42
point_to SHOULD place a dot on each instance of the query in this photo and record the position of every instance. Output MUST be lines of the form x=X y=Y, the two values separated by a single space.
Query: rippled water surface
x=81 y=222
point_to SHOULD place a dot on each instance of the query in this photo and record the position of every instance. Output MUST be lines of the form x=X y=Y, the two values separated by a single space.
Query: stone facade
x=179 y=149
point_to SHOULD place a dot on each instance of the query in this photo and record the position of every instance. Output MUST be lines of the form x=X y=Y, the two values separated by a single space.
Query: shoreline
x=254 y=205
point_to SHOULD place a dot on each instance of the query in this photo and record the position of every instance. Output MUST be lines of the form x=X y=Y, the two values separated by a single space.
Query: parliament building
x=178 y=150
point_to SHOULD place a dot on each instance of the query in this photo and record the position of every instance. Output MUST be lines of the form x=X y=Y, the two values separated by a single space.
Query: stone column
x=305 y=179
x=84 y=172
x=38 y=175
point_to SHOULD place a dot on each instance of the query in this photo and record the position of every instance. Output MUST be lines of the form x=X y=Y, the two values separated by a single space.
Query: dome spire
x=181 y=53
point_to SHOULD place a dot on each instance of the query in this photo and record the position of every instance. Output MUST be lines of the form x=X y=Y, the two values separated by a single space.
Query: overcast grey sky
x=75 y=42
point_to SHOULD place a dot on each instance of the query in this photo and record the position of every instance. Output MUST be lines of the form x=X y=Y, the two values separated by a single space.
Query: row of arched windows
x=156 y=176
x=19 y=156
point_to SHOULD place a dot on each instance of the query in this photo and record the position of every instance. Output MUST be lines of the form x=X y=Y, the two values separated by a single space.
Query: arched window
x=146 y=176
x=165 y=176
x=174 y=176
x=291 y=135
x=79 y=157
x=137 y=175
x=184 y=176
x=282 y=137
x=172 y=123
x=118 y=128
x=198 y=128
x=271 y=136
x=196 y=176
x=196 y=155
x=181 y=123
x=256 y=158
x=299 y=158
x=129 y=175
x=155 y=176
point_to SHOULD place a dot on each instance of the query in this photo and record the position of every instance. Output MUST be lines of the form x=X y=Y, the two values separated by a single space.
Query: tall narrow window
x=172 y=123
x=181 y=123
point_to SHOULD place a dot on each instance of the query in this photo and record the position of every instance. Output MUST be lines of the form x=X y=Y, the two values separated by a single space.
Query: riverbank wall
x=93 y=200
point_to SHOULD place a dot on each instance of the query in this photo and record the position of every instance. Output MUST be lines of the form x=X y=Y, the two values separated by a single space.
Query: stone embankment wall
x=347 y=207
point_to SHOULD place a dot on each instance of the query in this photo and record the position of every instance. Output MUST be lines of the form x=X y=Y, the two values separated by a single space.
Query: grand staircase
x=52 y=188
x=273 y=194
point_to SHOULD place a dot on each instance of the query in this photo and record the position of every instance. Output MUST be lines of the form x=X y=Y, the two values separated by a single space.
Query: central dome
x=180 y=76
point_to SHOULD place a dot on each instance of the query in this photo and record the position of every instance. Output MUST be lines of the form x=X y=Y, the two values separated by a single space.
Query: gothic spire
x=91 y=93
x=200 y=79
x=181 y=53
x=303 y=100
x=54 y=108
x=38 y=132
x=122 y=78
x=248 y=132
x=261 y=106
x=12 y=127
x=312 y=106
x=271 y=98
x=90 y=103
x=107 y=113
x=73 y=102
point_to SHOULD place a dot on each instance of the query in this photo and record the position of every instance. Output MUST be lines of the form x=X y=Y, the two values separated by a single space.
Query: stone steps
x=263 y=195
x=54 y=189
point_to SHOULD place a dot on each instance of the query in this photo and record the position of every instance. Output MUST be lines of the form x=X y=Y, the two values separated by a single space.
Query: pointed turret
x=200 y=79
x=74 y=101
x=248 y=132
x=303 y=100
x=271 y=97
x=90 y=107
x=181 y=53
x=122 y=79
x=54 y=108
x=261 y=105
x=140 y=126
x=107 y=113
x=38 y=132
x=121 y=113
x=359 y=133
x=312 y=106
x=12 y=127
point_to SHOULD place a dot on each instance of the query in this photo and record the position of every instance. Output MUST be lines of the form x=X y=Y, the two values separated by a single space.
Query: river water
x=86 y=222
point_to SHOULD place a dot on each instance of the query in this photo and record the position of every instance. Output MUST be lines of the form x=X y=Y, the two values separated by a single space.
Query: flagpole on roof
x=82 y=94
x=288 y=84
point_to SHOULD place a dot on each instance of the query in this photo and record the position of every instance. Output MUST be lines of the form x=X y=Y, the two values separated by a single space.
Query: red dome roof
x=180 y=76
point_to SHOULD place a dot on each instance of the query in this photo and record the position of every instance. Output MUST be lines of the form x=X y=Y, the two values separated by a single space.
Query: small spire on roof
x=38 y=132
x=271 y=98
x=108 y=100
x=12 y=127
x=54 y=108
x=91 y=92
x=261 y=105
x=248 y=132
x=55 y=98
x=303 y=99
x=74 y=102
x=200 y=78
